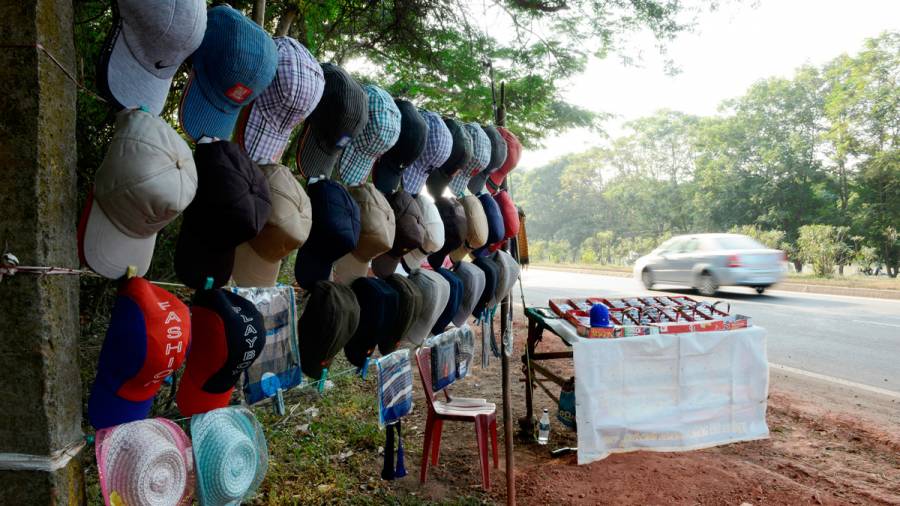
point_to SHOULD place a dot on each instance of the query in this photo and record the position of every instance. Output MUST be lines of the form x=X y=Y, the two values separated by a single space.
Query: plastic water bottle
x=544 y=428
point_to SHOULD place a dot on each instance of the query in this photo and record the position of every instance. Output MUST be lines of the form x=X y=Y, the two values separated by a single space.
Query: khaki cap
x=376 y=233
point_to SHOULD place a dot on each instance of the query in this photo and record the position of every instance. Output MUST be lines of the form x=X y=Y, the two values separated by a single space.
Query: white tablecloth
x=670 y=392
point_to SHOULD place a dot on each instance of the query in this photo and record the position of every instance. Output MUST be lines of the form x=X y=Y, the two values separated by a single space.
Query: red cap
x=513 y=153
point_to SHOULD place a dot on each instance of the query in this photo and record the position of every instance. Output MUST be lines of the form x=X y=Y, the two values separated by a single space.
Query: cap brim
x=348 y=269
x=106 y=409
x=252 y=270
x=200 y=118
x=414 y=259
x=385 y=265
x=312 y=159
x=310 y=268
x=262 y=139
x=193 y=400
x=195 y=261
x=386 y=175
x=131 y=84
x=108 y=251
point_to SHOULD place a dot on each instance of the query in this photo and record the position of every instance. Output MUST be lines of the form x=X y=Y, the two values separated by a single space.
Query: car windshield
x=737 y=242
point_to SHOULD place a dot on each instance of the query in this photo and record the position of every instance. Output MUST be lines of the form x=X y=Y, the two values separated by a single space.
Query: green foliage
x=772 y=238
x=822 y=246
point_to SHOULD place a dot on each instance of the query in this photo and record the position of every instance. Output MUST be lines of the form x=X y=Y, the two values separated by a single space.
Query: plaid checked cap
x=292 y=96
x=437 y=149
x=481 y=156
x=379 y=135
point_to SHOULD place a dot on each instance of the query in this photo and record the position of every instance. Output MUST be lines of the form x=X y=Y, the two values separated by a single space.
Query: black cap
x=379 y=304
x=408 y=313
x=491 y=278
x=410 y=233
x=327 y=324
x=413 y=132
x=231 y=206
x=456 y=228
x=334 y=232
x=340 y=116
x=452 y=307
x=498 y=156
x=460 y=154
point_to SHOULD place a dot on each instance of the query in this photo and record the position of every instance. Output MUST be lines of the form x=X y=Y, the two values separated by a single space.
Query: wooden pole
x=505 y=313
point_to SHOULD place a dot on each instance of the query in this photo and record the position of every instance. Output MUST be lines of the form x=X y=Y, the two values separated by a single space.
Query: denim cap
x=148 y=41
x=460 y=156
x=473 y=280
x=230 y=455
x=481 y=156
x=498 y=157
x=434 y=233
x=438 y=144
x=292 y=96
x=389 y=168
x=379 y=135
x=235 y=63
x=435 y=294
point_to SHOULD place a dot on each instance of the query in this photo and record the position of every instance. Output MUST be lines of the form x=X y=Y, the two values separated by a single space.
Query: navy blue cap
x=456 y=295
x=334 y=233
x=496 y=226
x=491 y=279
x=379 y=307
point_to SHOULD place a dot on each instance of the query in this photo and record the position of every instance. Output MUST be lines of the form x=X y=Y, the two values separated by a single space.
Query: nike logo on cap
x=160 y=67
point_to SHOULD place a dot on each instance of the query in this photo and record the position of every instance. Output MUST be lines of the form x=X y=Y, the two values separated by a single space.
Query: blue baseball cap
x=453 y=303
x=235 y=63
x=334 y=233
x=496 y=226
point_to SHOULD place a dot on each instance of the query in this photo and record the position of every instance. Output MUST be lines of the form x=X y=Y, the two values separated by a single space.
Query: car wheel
x=647 y=279
x=760 y=289
x=706 y=284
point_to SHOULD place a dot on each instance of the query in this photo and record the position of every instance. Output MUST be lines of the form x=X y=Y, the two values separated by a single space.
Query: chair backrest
x=423 y=362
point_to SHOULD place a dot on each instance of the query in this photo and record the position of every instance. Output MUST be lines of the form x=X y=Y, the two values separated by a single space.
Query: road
x=851 y=341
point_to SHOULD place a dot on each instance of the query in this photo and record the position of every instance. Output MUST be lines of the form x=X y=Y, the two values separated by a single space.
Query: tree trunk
x=798 y=266
x=841 y=269
x=259 y=12
x=285 y=22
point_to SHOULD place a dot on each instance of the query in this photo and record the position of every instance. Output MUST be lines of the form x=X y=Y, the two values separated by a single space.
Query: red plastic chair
x=482 y=413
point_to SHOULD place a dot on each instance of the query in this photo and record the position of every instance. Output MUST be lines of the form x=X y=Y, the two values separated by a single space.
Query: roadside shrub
x=822 y=246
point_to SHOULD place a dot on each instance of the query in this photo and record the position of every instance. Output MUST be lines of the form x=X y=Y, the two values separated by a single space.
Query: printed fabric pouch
x=443 y=361
x=394 y=402
x=566 y=412
x=465 y=350
x=281 y=355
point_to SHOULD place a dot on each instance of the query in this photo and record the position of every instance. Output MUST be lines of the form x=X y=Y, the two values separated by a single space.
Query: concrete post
x=40 y=386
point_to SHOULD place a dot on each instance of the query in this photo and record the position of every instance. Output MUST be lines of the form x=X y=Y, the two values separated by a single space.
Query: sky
x=729 y=50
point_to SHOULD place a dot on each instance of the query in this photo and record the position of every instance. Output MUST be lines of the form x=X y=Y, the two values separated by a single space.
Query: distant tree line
x=810 y=165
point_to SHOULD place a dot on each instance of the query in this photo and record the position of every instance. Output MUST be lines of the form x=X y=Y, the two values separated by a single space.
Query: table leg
x=526 y=423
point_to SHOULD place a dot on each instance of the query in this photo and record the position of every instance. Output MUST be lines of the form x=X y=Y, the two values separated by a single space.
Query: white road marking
x=876 y=323
x=838 y=381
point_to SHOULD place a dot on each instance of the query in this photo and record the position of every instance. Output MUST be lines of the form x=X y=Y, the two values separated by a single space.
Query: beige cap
x=257 y=261
x=477 y=235
x=434 y=233
x=146 y=180
x=376 y=233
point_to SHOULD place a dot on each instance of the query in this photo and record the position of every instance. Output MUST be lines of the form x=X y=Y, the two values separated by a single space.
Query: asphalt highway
x=851 y=341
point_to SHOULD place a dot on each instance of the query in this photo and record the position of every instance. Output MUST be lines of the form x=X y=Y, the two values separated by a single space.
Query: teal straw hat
x=230 y=455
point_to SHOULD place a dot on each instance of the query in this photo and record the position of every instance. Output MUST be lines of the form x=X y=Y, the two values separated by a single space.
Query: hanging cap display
x=258 y=261
x=409 y=312
x=376 y=233
x=481 y=157
x=454 y=299
x=341 y=115
x=473 y=280
x=476 y=225
x=460 y=155
x=145 y=462
x=232 y=206
x=328 y=322
x=233 y=65
x=148 y=41
x=147 y=178
x=498 y=156
x=513 y=153
x=230 y=454
x=335 y=232
x=409 y=146
x=435 y=294
x=434 y=233
x=265 y=130
x=229 y=333
x=148 y=335
x=379 y=305
x=438 y=144
x=456 y=229
x=409 y=236
x=379 y=135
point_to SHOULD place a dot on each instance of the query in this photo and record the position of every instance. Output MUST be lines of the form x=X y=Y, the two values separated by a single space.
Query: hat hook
x=209 y=283
x=322 y=380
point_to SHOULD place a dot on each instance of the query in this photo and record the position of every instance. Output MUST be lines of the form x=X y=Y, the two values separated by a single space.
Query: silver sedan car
x=708 y=261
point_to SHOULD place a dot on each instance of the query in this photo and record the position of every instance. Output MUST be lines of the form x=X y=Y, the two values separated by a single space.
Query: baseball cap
x=481 y=156
x=376 y=233
x=435 y=294
x=229 y=333
x=334 y=233
x=326 y=325
x=460 y=155
x=341 y=115
x=258 y=261
x=491 y=278
x=379 y=135
x=508 y=274
x=147 y=178
x=496 y=227
x=509 y=212
x=473 y=280
x=498 y=157
x=409 y=236
x=148 y=41
x=409 y=146
x=379 y=304
x=233 y=65
x=438 y=144
x=513 y=153
x=230 y=454
x=453 y=300
x=408 y=313
x=434 y=233
x=456 y=229
x=232 y=206
x=148 y=336
x=476 y=224
x=265 y=128
x=145 y=462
